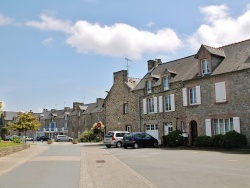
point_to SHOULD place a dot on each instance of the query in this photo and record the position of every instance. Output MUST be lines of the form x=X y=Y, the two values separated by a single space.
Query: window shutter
x=144 y=106
x=220 y=92
x=172 y=102
x=208 y=127
x=184 y=96
x=236 y=124
x=155 y=104
x=198 y=94
x=160 y=104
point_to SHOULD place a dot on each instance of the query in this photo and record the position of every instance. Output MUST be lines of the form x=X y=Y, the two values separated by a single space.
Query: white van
x=61 y=138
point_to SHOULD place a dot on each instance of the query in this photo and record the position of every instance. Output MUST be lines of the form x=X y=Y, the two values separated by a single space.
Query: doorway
x=193 y=131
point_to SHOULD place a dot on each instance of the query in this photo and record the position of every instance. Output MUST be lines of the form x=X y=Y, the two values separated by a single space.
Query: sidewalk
x=10 y=162
x=100 y=169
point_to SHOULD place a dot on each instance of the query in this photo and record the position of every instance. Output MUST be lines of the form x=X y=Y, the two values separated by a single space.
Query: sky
x=54 y=53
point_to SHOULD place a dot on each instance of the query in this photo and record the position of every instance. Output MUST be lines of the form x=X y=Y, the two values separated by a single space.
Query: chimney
x=76 y=105
x=121 y=76
x=153 y=63
x=99 y=101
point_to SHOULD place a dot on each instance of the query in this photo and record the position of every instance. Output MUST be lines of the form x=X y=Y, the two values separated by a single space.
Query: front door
x=194 y=131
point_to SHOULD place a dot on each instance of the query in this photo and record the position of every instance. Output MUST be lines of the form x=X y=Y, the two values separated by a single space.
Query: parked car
x=61 y=138
x=139 y=139
x=43 y=138
x=114 y=138
x=27 y=138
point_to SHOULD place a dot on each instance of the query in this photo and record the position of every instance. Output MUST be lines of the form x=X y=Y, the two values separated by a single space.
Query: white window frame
x=170 y=106
x=205 y=66
x=169 y=128
x=220 y=92
x=150 y=105
x=195 y=96
x=125 y=106
x=165 y=83
x=152 y=127
x=222 y=126
x=128 y=128
x=149 y=86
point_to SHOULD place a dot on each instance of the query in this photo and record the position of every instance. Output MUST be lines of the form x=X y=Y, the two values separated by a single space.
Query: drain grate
x=100 y=161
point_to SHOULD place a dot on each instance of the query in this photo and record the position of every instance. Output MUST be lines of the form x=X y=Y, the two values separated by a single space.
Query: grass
x=4 y=144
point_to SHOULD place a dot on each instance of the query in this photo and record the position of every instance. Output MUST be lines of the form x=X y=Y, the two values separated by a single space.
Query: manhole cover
x=100 y=161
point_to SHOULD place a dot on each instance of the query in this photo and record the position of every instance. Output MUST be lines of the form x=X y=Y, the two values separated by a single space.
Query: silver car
x=114 y=138
x=61 y=138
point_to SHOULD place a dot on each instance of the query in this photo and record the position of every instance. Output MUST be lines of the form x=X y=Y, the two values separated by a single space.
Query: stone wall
x=13 y=149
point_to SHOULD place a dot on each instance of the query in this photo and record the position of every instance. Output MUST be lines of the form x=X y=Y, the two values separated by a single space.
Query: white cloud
x=220 y=28
x=4 y=20
x=48 y=42
x=50 y=24
x=119 y=40
x=150 y=24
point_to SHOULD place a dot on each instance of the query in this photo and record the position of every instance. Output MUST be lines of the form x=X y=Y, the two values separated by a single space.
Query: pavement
x=99 y=168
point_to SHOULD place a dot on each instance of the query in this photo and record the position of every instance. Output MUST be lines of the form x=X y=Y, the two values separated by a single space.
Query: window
x=125 y=108
x=152 y=105
x=152 y=127
x=194 y=96
x=205 y=66
x=220 y=92
x=222 y=126
x=128 y=128
x=169 y=103
x=165 y=83
x=149 y=86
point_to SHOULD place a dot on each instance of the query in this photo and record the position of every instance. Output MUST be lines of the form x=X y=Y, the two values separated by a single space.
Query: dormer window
x=165 y=83
x=149 y=86
x=205 y=66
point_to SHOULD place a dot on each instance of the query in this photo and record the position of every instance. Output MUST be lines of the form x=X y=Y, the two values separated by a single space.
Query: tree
x=4 y=131
x=25 y=122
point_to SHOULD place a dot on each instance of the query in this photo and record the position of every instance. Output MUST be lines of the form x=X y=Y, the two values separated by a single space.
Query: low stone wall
x=13 y=149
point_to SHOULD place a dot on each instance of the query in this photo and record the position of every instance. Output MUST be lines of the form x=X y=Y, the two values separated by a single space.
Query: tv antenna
x=127 y=62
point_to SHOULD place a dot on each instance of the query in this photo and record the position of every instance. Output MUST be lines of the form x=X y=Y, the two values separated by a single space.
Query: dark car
x=139 y=139
x=43 y=138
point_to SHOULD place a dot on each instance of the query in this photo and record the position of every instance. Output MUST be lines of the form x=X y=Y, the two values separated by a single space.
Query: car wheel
x=155 y=144
x=125 y=147
x=136 y=146
x=108 y=146
x=70 y=140
x=118 y=144
x=58 y=140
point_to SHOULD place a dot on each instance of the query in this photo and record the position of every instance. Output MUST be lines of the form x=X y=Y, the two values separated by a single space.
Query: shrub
x=202 y=141
x=175 y=139
x=87 y=136
x=16 y=140
x=0 y=139
x=216 y=140
x=233 y=139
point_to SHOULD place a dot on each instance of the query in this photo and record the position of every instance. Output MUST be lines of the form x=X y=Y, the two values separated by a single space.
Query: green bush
x=0 y=139
x=202 y=141
x=175 y=139
x=216 y=140
x=233 y=139
x=87 y=136
x=16 y=140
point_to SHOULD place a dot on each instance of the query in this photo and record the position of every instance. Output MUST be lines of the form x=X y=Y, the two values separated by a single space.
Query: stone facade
x=121 y=106
x=13 y=149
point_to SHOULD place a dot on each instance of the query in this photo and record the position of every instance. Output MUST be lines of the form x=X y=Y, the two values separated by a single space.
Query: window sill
x=193 y=105
x=222 y=102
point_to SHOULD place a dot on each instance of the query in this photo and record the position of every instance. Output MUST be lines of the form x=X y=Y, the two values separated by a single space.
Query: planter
x=75 y=141
x=49 y=142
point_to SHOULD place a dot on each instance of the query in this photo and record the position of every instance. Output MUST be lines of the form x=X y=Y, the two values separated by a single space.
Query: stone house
x=160 y=91
x=203 y=94
x=121 y=108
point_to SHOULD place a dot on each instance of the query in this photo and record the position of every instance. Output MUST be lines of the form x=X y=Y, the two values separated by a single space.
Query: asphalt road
x=188 y=168
x=58 y=166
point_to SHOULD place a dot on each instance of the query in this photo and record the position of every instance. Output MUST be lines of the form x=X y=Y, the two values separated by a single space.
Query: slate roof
x=90 y=108
x=10 y=115
x=132 y=82
x=236 y=57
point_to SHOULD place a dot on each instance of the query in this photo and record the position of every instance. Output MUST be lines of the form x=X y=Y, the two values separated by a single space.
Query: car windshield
x=128 y=135
x=109 y=134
